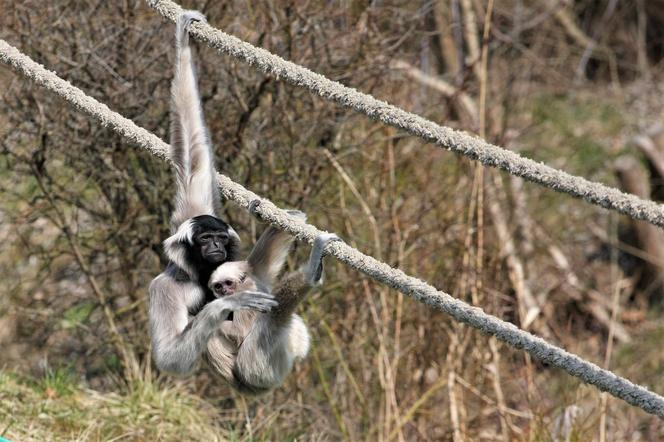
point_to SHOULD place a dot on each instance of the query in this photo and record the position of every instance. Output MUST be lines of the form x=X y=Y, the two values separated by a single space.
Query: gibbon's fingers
x=253 y=300
x=218 y=310
x=183 y=23
x=192 y=15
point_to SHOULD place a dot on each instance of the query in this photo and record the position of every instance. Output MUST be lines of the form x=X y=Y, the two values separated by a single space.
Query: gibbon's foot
x=253 y=205
x=315 y=266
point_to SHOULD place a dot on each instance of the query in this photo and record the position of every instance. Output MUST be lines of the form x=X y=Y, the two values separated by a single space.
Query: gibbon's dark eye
x=204 y=238
x=228 y=282
x=217 y=287
x=223 y=237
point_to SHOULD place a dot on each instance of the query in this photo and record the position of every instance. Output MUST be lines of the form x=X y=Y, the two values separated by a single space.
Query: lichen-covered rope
x=456 y=141
x=421 y=291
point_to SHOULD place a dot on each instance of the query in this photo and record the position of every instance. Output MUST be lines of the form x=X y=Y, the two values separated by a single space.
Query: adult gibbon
x=183 y=312
x=247 y=333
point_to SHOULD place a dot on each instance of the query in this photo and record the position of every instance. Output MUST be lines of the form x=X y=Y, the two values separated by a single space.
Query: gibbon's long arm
x=269 y=254
x=292 y=288
x=197 y=192
x=255 y=352
x=200 y=241
x=280 y=337
x=179 y=342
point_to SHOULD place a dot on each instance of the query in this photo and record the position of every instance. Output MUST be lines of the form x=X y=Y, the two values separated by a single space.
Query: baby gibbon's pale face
x=230 y=278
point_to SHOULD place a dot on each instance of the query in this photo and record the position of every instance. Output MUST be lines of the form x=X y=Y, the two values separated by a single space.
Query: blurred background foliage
x=575 y=84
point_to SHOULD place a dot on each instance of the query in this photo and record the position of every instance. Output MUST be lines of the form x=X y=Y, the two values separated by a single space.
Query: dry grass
x=56 y=409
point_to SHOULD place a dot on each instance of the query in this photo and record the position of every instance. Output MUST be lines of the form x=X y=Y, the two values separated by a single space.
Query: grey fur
x=191 y=152
x=588 y=372
x=178 y=338
x=268 y=256
x=313 y=272
x=255 y=352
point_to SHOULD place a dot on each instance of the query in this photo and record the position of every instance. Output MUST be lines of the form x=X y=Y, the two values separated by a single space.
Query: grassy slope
x=56 y=409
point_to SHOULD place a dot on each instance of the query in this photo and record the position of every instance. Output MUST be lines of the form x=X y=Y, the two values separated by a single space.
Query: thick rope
x=475 y=317
x=456 y=141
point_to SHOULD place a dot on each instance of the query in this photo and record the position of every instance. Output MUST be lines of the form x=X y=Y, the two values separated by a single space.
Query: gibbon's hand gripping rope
x=475 y=317
x=456 y=141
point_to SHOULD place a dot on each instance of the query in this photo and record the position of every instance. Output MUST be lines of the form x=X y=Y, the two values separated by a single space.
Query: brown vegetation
x=573 y=84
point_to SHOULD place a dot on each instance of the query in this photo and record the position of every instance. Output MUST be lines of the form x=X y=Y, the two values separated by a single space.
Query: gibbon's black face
x=214 y=240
